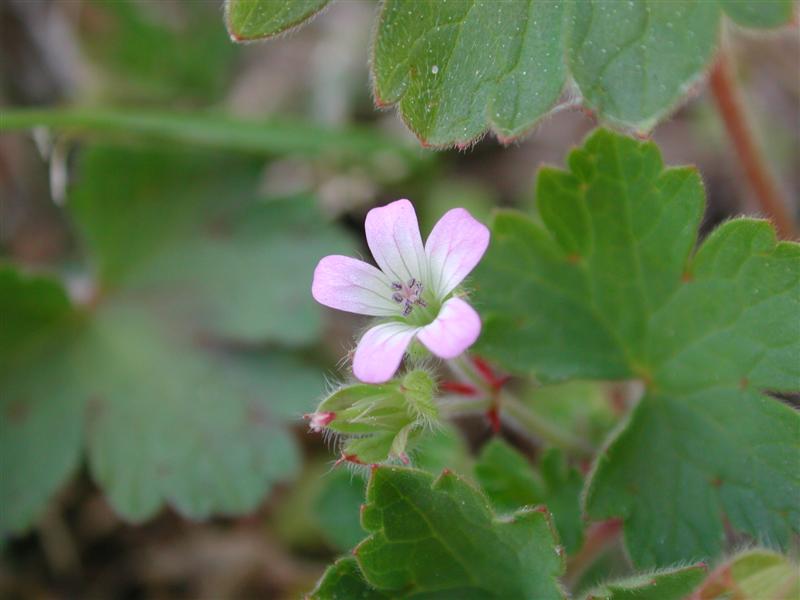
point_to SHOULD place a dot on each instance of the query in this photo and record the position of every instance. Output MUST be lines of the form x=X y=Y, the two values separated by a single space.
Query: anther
x=396 y=285
x=397 y=297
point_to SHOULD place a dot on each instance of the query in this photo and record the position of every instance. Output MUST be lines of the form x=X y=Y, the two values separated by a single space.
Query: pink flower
x=412 y=289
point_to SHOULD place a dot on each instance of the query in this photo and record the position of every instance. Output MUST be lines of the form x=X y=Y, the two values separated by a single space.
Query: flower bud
x=379 y=421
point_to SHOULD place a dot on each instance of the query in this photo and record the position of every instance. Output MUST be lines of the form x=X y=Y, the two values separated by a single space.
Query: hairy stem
x=762 y=181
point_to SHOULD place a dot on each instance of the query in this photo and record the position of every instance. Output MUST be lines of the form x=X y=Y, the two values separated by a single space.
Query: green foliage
x=387 y=420
x=192 y=253
x=667 y=584
x=753 y=574
x=581 y=407
x=40 y=434
x=609 y=288
x=257 y=19
x=458 y=68
x=166 y=413
x=439 y=538
x=337 y=508
x=344 y=581
x=511 y=482
x=193 y=60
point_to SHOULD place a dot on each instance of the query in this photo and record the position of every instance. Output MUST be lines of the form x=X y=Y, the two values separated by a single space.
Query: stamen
x=408 y=295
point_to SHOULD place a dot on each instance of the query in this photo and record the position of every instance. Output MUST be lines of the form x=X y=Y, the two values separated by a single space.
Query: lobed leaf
x=459 y=68
x=440 y=539
x=608 y=287
x=440 y=535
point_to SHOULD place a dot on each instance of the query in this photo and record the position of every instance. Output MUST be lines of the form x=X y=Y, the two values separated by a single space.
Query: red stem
x=762 y=181
x=599 y=538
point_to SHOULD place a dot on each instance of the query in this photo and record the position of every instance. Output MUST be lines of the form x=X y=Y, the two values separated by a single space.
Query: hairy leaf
x=667 y=584
x=440 y=538
x=343 y=581
x=257 y=19
x=609 y=288
x=752 y=574
x=458 y=68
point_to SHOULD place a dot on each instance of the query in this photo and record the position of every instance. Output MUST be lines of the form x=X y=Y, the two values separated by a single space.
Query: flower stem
x=762 y=181
x=541 y=428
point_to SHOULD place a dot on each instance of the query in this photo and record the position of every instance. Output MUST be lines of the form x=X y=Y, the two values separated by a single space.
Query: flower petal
x=453 y=331
x=454 y=247
x=394 y=240
x=380 y=351
x=354 y=286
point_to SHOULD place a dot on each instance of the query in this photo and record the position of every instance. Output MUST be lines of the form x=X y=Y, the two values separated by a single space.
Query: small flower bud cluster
x=379 y=422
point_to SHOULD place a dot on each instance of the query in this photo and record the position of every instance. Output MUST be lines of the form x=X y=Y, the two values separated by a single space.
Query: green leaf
x=759 y=13
x=343 y=581
x=337 y=508
x=166 y=415
x=163 y=421
x=751 y=575
x=337 y=505
x=219 y=131
x=511 y=482
x=190 y=254
x=194 y=57
x=257 y=19
x=40 y=432
x=667 y=584
x=441 y=539
x=458 y=68
x=31 y=307
x=618 y=295
x=200 y=431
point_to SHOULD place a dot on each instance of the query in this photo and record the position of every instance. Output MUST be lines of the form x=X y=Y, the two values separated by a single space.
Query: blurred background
x=188 y=241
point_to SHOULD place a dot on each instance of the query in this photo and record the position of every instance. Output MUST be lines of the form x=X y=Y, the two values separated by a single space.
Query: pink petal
x=380 y=351
x=394 y=240
x=453 y=331
x=354 y=286
x=454 y=247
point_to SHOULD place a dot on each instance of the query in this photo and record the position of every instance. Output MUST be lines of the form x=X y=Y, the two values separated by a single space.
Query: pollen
x=408 y=295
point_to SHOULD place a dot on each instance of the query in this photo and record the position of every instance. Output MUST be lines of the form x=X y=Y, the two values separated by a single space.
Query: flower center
x=408 y=295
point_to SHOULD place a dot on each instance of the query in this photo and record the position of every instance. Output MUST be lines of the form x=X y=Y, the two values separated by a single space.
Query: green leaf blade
x=456 y=72
x=707 y=334
x=439 y=538
x=249 y=20
x=666 y=584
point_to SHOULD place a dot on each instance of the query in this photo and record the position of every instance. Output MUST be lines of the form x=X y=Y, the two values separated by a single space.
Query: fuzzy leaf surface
x=458 y=68
x=439 y=538
x=755 y=573
x=249 y=20
x=609 y=287
x=666 y=584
